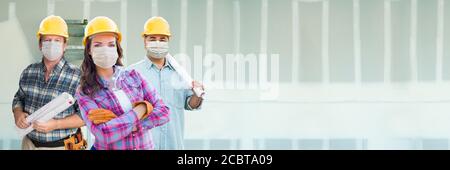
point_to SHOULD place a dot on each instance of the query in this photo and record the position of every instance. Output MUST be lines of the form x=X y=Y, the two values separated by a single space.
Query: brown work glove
x=99 y=116
x=147 y=105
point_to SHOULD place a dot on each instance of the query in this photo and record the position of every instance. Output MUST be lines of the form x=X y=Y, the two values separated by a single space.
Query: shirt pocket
x=55 y=92
x=103 y=101
x=177 y=98
x=134 y=92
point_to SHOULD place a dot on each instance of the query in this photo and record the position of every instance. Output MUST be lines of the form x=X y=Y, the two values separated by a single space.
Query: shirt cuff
x=16 y=105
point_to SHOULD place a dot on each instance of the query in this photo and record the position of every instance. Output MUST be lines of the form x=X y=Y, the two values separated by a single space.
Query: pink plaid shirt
x=117 y=133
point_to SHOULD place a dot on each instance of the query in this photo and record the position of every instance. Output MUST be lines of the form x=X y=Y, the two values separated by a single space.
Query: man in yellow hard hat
x=158 y=72
x=43 y=81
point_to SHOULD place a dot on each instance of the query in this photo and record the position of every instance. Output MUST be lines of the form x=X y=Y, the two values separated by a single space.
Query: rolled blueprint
x=48 y=111
x=185 y=76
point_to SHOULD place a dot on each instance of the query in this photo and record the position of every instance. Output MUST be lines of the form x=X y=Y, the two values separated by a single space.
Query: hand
x=148 y=109
x=46 y=127
x=141 y=110
x=20 y=119
x=196 y=100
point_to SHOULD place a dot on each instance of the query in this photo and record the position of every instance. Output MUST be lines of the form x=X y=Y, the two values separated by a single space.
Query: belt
x=52 y=144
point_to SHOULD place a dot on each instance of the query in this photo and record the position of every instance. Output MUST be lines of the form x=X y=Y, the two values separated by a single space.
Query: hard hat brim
x=44 y=34
x=145 y=34
x=118 y=36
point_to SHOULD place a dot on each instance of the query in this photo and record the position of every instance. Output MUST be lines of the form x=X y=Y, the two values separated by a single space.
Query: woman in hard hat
x=118 y=106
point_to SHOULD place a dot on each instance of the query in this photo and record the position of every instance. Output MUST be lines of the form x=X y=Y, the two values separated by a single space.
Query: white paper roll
x=184 y=75
x=48 y=111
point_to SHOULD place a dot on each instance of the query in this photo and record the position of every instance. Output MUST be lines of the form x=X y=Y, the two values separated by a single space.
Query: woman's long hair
x=88 y=83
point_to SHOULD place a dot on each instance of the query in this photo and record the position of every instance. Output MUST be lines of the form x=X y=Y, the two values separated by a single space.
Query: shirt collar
x=58 y=67
x=106 y=83
x=149 y=64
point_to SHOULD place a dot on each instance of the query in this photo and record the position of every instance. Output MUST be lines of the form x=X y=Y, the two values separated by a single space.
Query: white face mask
x=157 y=49
x=104 y=57
x=52 y=50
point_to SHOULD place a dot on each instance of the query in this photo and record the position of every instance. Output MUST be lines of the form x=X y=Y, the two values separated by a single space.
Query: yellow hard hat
x=101 y=24
x=156 y=25
x=53 y=25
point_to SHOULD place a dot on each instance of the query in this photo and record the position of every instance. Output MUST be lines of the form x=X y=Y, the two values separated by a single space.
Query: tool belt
x=71 y=142
x=75 y=141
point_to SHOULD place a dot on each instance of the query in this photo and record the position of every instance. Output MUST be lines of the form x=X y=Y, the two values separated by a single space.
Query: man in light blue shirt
x=157 y=71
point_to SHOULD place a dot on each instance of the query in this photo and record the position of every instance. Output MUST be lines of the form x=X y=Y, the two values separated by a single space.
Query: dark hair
x=88 y=83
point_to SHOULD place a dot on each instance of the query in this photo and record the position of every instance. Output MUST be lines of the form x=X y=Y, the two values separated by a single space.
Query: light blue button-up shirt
x=166 y=81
